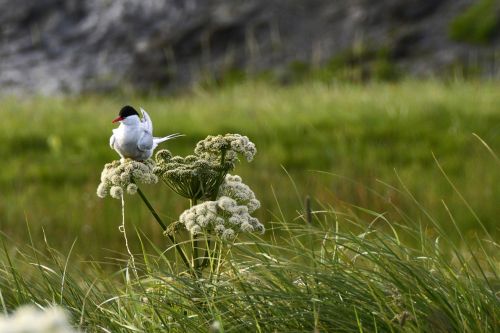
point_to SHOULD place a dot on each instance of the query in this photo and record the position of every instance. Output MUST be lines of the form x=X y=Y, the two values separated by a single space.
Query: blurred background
x=73 y=46
x=356 y=103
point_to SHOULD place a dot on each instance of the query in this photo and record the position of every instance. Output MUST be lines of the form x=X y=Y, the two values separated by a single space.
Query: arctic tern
x=134 y=137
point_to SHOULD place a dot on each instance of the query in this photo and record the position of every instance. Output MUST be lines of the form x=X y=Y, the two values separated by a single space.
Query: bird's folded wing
x=112 y=141
x=146 y=122
x=145 y=141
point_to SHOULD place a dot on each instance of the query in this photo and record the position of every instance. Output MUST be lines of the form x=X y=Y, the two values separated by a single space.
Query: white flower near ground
x=228 y=215
x=215 y=327
x=121 y=176
x=29 y=319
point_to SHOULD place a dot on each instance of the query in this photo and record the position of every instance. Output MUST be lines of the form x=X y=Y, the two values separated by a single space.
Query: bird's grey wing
x=146 y=122
x=145 y=141
x=112 y=140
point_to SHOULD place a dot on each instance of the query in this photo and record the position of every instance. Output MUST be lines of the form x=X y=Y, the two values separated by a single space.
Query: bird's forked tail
x=157 y=141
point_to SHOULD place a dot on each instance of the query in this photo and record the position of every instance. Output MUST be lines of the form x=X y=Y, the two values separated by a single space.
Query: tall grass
x=320 y=270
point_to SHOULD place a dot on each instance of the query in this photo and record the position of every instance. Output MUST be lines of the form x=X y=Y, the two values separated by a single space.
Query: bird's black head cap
x=127 y=110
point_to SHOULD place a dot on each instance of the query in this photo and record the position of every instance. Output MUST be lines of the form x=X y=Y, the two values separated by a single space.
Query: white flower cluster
x=122 y=175
x=230 y=144
x=233 y=187
x=229 y=214
x=29 y=319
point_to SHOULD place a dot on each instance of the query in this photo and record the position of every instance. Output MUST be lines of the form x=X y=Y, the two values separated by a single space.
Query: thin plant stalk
x=207 y=257
x=164 y=228
x=195 y=243
x=124 y=232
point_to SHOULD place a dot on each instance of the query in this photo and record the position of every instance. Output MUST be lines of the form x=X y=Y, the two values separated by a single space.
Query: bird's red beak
x=117 y=119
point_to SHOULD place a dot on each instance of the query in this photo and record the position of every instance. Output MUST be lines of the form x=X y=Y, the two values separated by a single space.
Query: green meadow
x=344 y=146
x=401 y=231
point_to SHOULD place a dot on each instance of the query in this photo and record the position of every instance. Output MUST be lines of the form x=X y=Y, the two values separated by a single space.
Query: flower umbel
x=234 y=188
x=121 y=176
x=191 y=177
x=226 y=148
x=199 y=176
x=227 y=215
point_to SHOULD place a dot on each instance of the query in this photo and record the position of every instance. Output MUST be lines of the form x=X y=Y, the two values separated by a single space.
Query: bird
x=133 y=138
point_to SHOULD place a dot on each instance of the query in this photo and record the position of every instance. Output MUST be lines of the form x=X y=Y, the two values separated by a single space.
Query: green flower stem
x=164 y=227
x=152 y=210
x=207 y=257
x=194 y=241
x=222 y=175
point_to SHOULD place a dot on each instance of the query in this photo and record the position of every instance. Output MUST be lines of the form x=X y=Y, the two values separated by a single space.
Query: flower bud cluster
x=192 y=177
x=229 y=146
x=234 y=188
x=227 y=215
x=199 y=176
x=121 y=176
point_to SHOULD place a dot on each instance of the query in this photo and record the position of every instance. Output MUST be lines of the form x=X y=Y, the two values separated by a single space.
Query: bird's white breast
x=126 y=140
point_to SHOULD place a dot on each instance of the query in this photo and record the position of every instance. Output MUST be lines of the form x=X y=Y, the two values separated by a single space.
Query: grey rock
x=71 y=46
